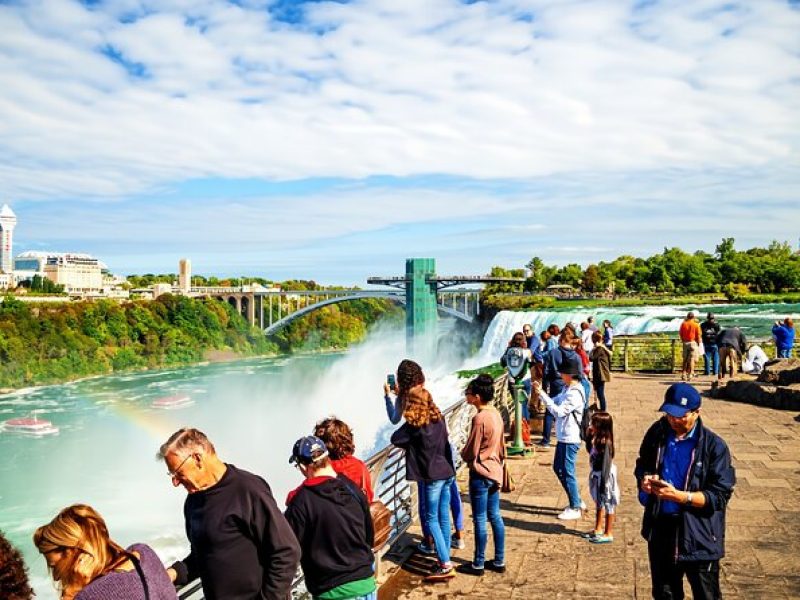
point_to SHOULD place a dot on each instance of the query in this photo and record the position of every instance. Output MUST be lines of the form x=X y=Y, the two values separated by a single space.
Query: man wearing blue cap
x=685 y=480
x=330 y=517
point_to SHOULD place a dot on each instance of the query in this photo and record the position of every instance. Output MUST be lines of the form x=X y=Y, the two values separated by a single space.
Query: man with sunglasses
x=242 y=547
x=685 y=479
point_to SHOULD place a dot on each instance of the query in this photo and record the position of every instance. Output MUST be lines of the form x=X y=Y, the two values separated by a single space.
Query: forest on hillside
x=63 y=341
x=735 y=273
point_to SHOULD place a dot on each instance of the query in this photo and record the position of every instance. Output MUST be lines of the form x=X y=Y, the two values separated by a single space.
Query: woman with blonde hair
x=429 y=461
x=88 y=565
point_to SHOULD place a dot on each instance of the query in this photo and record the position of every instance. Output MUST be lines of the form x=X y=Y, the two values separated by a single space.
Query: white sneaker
x=583 y=505
x=570 y=514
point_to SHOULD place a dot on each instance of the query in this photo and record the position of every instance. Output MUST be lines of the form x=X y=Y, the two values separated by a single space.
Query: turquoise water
x=253 y=411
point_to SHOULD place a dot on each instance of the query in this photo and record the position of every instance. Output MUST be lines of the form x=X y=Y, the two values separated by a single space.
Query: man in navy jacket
x=685 y=480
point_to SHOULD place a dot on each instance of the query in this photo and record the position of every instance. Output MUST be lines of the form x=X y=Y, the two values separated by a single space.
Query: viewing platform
x=548 y=558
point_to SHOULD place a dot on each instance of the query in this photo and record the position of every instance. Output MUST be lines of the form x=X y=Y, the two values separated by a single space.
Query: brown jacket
x=484 y=449
x=601 y=363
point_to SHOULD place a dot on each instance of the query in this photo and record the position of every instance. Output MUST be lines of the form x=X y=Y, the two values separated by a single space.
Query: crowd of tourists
x=243 y=546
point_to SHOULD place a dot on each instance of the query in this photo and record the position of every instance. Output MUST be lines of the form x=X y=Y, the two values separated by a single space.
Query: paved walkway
x=547 y=558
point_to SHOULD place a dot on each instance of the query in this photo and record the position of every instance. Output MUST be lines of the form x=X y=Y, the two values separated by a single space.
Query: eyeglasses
x=174 y=474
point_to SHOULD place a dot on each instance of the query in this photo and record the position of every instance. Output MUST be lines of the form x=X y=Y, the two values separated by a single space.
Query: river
x=253 y=411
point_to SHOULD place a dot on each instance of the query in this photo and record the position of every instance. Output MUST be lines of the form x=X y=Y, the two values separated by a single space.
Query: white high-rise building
x=8 y=220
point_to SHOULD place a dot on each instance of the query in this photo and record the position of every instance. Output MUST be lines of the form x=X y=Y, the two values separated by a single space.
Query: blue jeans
x=564 y=468
x=600 y=388
x=437 y=515
x=711 y=359
x=484 y=496
x=456 y=507
x=785 y=353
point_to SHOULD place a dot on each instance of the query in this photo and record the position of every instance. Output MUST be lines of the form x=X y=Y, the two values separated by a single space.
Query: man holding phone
x=685 y=479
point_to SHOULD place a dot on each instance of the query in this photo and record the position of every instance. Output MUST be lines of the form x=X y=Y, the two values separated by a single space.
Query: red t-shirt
x=356 y=471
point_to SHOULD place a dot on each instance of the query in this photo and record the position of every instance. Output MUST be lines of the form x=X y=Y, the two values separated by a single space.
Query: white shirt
x=567 y=408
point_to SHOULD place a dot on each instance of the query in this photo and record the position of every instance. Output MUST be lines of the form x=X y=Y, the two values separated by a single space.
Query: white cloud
x=408 y=88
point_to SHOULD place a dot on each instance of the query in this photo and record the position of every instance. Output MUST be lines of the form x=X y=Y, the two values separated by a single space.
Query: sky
x=333 y=140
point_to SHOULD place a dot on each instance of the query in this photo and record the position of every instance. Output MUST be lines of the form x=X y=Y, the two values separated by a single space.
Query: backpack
x=586 y=417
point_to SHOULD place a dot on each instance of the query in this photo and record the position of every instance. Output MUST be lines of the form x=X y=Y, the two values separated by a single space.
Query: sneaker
x=602 y=539
x=425 y=549
x=590 y=535
x=458 y=543
x=470 y=569
x=442 y=573
x=570 y=514
x=493 y=566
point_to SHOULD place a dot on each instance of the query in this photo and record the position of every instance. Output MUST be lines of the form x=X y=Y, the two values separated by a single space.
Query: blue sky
x=331 y=140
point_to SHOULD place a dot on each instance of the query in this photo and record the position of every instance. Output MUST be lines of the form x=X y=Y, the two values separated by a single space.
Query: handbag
x=508 y=484
x=381 y=523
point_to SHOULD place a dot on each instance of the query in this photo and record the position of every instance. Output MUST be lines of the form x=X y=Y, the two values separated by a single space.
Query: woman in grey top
x=88 y=565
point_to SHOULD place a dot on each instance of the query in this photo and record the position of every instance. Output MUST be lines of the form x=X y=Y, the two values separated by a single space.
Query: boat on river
x=31 y=425
x=172 y=402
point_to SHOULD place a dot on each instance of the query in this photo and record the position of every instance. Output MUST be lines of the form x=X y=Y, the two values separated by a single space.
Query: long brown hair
x=80 y=534
x=420 y=409
x=602 y=427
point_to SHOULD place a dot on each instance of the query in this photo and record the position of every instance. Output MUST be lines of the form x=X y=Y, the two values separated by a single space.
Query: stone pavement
x=547 y=558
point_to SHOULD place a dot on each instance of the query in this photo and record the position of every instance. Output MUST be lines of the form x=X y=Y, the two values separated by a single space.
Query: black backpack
x=586 y=417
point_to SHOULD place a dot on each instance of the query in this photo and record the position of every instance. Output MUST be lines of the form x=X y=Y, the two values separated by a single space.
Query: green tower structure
x=421 y=311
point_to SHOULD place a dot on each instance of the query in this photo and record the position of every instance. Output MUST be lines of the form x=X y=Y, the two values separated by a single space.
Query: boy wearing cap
x=685 y=480
x=330 y=517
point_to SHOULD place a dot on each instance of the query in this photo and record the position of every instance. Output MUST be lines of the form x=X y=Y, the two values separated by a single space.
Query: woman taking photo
x=484 y=452
x=429 y=461
x=88 y=565
x=410 y=378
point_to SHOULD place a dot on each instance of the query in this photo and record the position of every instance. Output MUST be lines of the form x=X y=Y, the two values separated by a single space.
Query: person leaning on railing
x=256 y=559
x=88 y=565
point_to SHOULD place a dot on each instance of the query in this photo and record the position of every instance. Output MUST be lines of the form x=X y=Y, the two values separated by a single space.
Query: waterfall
x=754 y=320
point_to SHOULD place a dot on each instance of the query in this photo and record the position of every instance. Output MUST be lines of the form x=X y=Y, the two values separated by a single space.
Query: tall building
x=8 y=220
x=185 y=275
x=78 y=273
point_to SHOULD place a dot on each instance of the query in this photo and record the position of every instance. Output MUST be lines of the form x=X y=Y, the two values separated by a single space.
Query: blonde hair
x=88 y=552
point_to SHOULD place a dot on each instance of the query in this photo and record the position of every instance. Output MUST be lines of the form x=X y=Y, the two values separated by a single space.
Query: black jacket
x=734 y=338
x=330 y=518
x=701 y=533
x=429 y=456
x=709 y=330
x=242 y=548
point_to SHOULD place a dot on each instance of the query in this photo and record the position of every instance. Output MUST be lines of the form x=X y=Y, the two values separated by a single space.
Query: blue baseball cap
x=307 y=450
x=680 y=399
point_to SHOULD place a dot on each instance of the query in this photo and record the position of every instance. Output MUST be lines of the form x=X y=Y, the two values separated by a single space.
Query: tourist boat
x=32 y=425
x=172 y=402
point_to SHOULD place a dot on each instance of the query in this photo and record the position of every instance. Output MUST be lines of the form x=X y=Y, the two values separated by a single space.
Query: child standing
x=603 y=484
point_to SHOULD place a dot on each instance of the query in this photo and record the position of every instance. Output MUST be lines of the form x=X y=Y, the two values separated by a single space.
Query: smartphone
x=658 y=483
x=390 y=380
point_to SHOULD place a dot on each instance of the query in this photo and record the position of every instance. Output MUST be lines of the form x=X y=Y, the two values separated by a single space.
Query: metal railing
x=664 y=354
x=388 y=472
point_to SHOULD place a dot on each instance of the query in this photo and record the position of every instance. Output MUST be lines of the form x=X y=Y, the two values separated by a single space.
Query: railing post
x=625 y=356
x=672 y=352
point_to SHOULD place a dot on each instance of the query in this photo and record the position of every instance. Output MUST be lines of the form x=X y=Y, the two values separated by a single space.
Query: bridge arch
x=393 y=296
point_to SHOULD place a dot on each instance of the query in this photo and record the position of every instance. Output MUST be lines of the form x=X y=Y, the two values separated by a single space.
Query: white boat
x=172 y=402
x=32 y=425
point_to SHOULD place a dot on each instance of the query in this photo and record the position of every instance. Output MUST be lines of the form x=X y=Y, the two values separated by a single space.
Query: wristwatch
x=688 y=498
